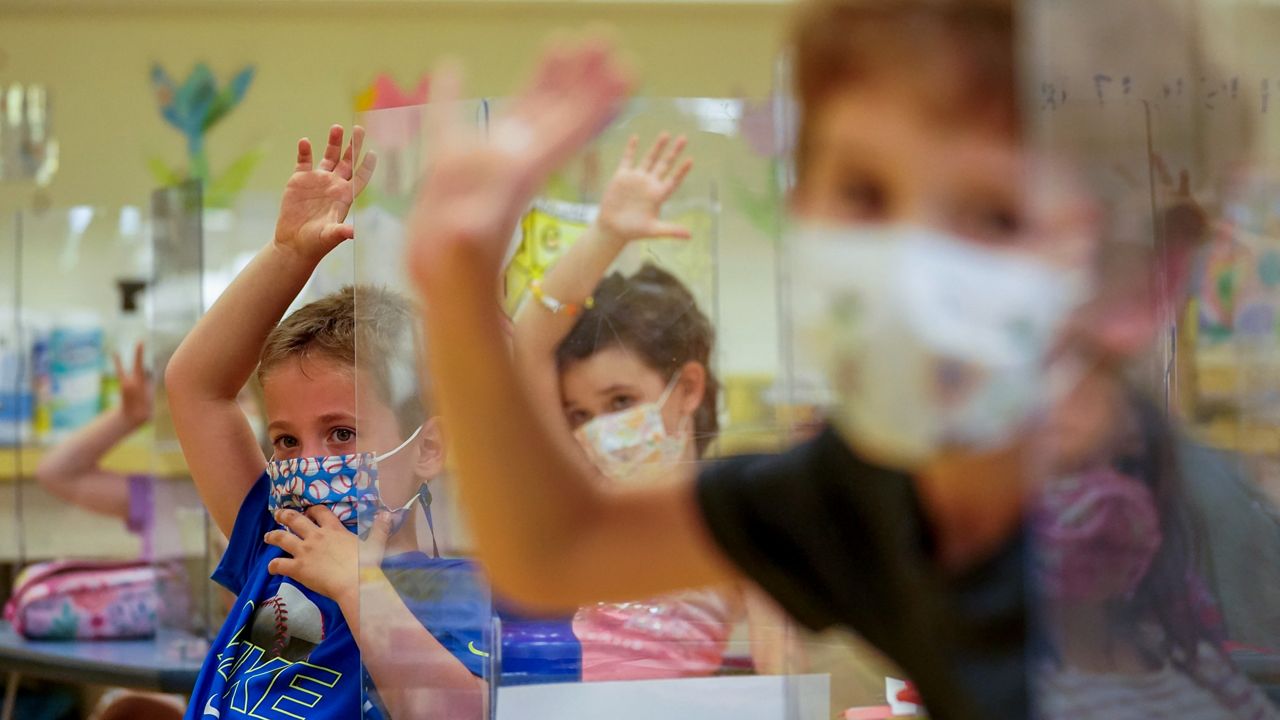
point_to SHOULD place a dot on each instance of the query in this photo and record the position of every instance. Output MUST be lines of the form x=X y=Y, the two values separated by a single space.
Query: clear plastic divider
x=1154 y=528
x=634 y=350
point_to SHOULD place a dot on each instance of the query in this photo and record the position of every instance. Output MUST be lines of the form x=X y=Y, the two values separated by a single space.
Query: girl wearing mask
x=626 y=363
x=1130 y=628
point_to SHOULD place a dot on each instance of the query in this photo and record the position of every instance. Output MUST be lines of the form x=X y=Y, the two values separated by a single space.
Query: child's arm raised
x=630 y=210
x=536 y=506
x=70 y=470
x=220 y=353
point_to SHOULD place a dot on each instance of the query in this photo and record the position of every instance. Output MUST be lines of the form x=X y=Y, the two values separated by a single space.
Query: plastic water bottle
x=16 y=391
x=75 y=372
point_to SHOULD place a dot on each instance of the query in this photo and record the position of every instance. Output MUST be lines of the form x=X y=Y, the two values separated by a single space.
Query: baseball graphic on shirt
x=288 y=626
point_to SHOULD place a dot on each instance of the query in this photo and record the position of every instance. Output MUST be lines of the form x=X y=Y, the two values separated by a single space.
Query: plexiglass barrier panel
x=92 y=486
x=72 y=260
x=620 y=339
x=427 y=625
x=1075 y=341
x=15 y=394
x=617 y=330
x=1155 y=535
x=182 y=537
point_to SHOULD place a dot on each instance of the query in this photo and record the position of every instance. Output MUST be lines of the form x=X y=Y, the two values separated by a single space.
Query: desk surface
x=167 y=663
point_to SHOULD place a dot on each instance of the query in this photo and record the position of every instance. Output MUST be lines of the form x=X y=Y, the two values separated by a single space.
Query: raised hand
x=137 y=396
x=632 y=203
x=317 y=198
x=476 y=187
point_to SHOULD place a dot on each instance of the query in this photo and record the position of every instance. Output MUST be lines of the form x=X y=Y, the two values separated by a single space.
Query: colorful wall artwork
x=194 y=107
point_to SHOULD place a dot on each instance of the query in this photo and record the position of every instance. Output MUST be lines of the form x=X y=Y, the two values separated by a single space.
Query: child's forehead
x=883 y=118
x=613 y=362
x=315 y=372
x=319 y=377
x=309 y=387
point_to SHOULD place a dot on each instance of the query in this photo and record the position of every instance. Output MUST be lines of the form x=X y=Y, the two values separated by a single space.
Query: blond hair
x=358 y=327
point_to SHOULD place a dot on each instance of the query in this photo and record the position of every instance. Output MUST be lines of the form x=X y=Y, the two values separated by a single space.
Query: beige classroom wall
x=313 y=56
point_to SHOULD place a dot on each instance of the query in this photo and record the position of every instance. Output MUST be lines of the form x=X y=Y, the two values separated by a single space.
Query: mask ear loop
x=401 y=446
x=671 y=386
x=686 y=421
x=423 y=495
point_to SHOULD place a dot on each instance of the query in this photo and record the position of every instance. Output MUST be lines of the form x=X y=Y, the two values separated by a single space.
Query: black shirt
x=838 y=541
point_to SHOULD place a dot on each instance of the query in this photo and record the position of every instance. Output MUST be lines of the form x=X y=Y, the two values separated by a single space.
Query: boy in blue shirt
x=313 y=601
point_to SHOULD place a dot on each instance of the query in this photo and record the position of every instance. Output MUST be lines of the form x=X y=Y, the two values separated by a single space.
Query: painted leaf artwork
x=193 y=107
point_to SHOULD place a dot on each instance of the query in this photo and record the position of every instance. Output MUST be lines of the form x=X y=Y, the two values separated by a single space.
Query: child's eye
x=621 y=402
x=342 y=435
x=999 y=223
x=577 y=418
x=864 y=199
x=285 y=442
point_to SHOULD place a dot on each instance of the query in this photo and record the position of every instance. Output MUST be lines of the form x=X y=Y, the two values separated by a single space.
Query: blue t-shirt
x=286 y=652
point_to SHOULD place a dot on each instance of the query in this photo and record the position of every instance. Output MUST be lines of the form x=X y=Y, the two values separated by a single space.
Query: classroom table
x=167 y=663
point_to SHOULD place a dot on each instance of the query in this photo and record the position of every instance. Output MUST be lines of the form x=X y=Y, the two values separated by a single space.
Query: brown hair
x=958 y=55
x=654 y=315
x=358 y=326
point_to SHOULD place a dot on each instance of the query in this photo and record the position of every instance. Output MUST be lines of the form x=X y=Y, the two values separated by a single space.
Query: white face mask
x=625 y=442
x=925 y=341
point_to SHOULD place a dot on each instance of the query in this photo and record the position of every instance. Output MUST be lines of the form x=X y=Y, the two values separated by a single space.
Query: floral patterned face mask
x=346 y=484
x=622 y=443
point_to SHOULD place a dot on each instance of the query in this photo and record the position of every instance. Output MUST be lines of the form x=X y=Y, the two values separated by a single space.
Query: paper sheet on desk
x=773 y=697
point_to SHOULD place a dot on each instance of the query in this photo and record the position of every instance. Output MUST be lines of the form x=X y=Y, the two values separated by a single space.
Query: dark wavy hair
x=650 y=313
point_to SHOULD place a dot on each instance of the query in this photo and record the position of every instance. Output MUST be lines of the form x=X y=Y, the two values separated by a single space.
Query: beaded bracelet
x=555 y=306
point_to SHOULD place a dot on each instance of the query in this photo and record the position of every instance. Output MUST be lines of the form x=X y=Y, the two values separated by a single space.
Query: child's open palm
x=317 y=198
x=632 y=203
x=476 y=186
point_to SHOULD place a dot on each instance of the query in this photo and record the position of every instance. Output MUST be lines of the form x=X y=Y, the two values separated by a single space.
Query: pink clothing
x=674 y=636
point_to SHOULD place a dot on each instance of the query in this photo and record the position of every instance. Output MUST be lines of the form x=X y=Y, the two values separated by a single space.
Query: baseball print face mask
x=346 y=484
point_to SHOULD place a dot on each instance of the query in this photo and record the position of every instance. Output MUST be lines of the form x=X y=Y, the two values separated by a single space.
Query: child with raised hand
x=72 y=471
x=306 y=614
x=904 y=519
x=629 y=371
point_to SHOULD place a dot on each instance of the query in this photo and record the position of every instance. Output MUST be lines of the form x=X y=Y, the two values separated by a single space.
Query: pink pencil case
x=85 y=600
